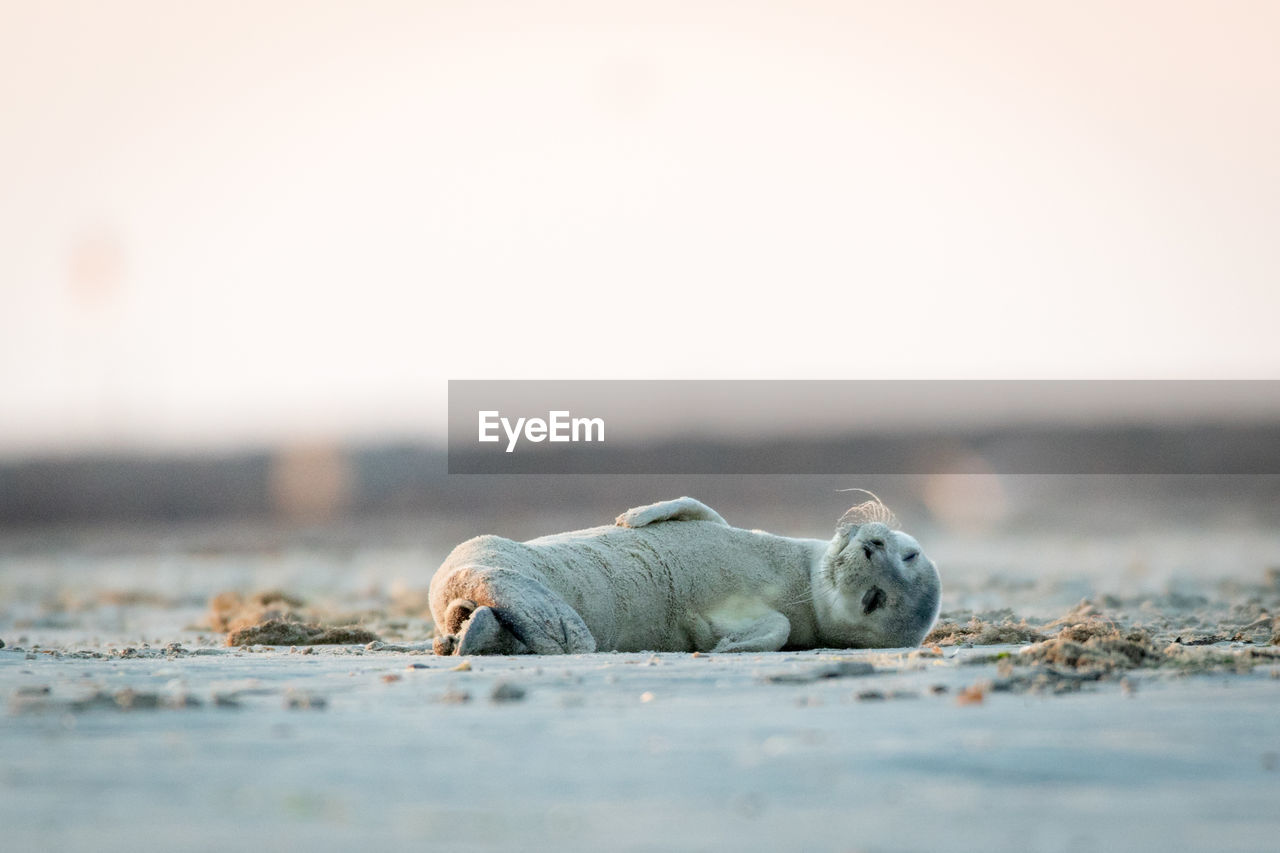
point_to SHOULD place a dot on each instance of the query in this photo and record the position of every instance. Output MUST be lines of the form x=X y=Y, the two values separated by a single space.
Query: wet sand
x=344 y=747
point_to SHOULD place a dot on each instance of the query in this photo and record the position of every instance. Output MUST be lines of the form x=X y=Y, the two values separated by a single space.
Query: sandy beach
x=634 y=752
x=1116 y=690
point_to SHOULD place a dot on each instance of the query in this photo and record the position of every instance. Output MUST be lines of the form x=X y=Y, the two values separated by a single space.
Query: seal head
x=875 y=587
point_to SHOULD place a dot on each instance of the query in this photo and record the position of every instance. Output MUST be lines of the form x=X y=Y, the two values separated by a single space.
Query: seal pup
x=675 y=576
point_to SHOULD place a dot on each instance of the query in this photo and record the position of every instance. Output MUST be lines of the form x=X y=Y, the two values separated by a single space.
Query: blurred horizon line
x=318 y=481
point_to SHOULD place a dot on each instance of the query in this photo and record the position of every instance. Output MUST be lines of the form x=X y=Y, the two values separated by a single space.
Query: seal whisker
x=867 y=512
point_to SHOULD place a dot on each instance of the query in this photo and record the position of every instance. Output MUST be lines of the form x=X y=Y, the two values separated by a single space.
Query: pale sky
x=227 y=223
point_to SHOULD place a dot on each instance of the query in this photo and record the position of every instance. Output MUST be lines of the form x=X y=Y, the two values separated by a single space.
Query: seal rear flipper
x=509 y=613
x=547 y=625
x=457 y=613
x=484 y=634
x=540 y=618
x=445 y=644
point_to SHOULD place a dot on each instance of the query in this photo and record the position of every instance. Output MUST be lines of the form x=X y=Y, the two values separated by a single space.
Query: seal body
x=674 y=576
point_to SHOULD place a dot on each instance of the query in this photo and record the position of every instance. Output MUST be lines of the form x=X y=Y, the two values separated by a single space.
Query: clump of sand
x=1164 y=619
x=1196 y=659
x=980 y=632
x=289 y=632
x=1098 y=649
x=232 y=610
x=1091 y=642
x=275 y=618
x=1095 y=646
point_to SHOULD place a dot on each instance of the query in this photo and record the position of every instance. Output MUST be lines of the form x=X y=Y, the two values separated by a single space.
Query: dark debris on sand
x=805 y=675
x=38 y=699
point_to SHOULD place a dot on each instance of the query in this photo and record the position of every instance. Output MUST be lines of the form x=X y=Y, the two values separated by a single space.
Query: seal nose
x=873 y=599
x=872 y=545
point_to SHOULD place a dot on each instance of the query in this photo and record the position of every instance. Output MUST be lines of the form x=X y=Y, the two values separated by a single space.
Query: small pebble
x=294 y=700
x=505 y=692
x=390 y=677
x=972 y=695
x=646 y=696
x=132 y=700
x=465 y=666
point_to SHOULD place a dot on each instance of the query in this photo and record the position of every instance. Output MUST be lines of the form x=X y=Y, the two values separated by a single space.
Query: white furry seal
x=674 y=576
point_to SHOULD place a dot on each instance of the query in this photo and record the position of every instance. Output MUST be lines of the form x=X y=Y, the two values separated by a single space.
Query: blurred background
x=243 y=247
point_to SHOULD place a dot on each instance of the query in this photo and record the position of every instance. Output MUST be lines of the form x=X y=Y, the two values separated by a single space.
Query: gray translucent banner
x=863 y=427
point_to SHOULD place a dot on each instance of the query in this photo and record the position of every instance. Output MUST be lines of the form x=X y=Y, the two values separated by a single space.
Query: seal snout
x=872 y=599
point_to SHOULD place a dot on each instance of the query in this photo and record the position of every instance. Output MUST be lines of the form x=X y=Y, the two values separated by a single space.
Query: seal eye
x=909 y=557
x=872 y=599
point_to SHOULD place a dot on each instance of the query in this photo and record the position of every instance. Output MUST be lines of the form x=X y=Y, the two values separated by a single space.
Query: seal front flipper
x=680 y=509
x=767 y=632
